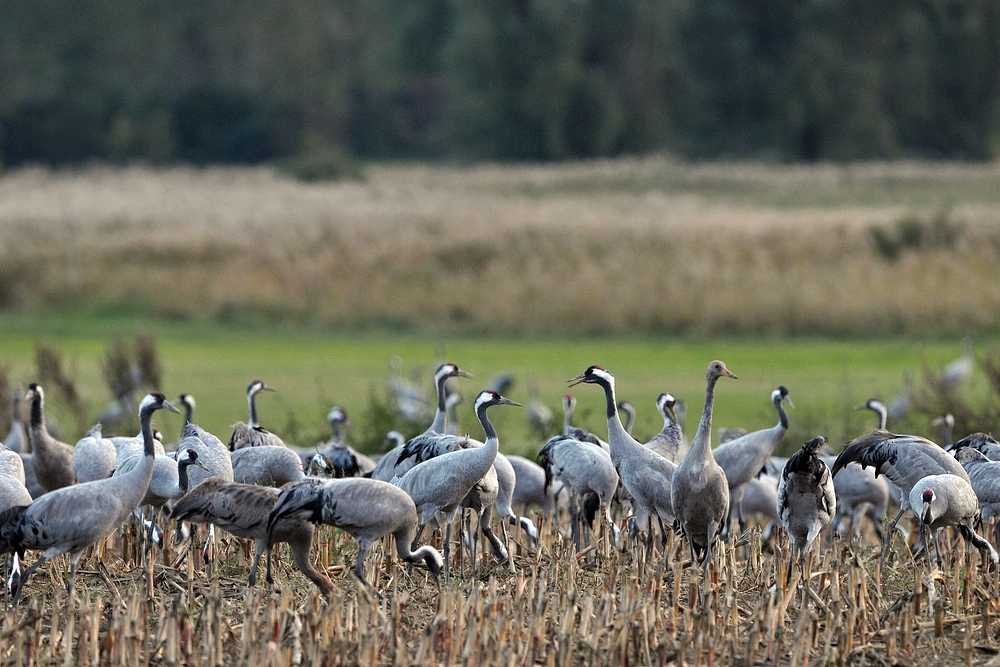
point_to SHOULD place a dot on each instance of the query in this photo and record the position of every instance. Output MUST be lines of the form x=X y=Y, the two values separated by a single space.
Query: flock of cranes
x=61 y=498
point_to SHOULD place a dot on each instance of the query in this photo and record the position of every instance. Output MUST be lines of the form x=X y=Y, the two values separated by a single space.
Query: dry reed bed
x=559 y=607
x=629 y=245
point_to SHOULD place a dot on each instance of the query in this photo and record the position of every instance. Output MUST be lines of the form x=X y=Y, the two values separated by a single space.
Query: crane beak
x=789 y=401
x=264 y=387
x=582 y=377
x=860 y=407
x=463 y=374
x=507 y=401
x=169 y=406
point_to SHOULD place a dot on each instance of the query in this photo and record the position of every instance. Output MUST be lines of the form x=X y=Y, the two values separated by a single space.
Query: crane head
x=593 y=375
x=449 y=370
x=718 y=369
x=258 y=386
x=781 y=394
x=488 y=397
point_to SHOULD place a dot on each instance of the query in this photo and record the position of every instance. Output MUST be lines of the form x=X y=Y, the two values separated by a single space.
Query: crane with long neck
x=70 y=519
x=700 y=491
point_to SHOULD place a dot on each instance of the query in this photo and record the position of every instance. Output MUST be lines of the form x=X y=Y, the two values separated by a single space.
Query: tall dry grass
x=604 y=247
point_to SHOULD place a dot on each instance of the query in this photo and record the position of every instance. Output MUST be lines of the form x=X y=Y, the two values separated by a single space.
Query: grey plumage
x=244 y=511
x=451 y=407
x=761 y=498
x=17 y=438
x=93 y=456
x=268 y=465
x=11 y=464
x=585 y=469
x=442 y=483
x=30 y=479
x=668 y=442
x=744 y=457
x=807 y=500
x=70 y=519
x=700 y=492
x=170 y=479
x=51 y=459
x=212 y=453
x=903 y=459
x=575 y=432
x=948 y=500
x=128 y=446
x=646 y=475
x=187 y=400
x=982 y=443
x=392 y=465
x=366 y=509
x=251 y=433
x=984 y=475
x=626 y=408
x=347 y=461
x=529 y=486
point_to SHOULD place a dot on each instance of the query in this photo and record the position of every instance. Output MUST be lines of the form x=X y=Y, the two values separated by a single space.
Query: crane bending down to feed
x=367 y=509
x=948 y=500
x=700 y=493
x=807 y=500
x=442 y=483
x=70 y=519
x=245 y=511
x=903 y=459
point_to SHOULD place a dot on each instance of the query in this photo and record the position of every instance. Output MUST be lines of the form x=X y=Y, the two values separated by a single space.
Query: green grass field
x=314 y=370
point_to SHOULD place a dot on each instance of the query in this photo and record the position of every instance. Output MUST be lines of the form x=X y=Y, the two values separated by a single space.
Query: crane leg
x=892 y=531
x=359 y=569
x=24 y=578
x=447 y=552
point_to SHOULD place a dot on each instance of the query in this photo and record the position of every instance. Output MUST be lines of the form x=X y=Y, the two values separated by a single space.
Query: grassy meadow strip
x=634 y=247
x=314 y=370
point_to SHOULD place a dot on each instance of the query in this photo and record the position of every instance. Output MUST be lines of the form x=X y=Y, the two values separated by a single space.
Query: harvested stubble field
x=627 y=246
x=559 y=607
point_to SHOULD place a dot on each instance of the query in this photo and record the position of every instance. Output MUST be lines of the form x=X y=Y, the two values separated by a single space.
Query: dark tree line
x=252 y=80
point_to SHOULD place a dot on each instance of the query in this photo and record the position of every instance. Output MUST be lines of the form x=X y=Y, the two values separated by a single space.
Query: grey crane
x=958 y=371
x=347 y=461
x=17 y=438
x=451 y=405
x=366 y=509
x=575 y=432
x=51 y=459
x=388 y=466
x=878 y=407
x=700 y=493
x=744 y=457
x=948 y=500
x=187 y=400
x=537 y=415
x=442 y=483
x=628 y=409
x=859 y=492
x=170 y=479
x=407 y=395
x=244 y=510
x=981 y=442
x=668 y=442
x=212 y=454
x=984 y=475
x=129 y=446
x=903 y=459
x=529 y=486
x=93 y=456
x=947 y=424
x=807 y=500
x=251 y=433
x=646 y=475
x=267 y=465
x=70 y=519
x=586 y=470
x=761 y=498
x=11 y=464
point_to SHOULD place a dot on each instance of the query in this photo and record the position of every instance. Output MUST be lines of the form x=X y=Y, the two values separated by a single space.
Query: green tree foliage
x=256 y=80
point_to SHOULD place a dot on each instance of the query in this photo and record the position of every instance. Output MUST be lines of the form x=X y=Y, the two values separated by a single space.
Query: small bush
x=321 y=166
x=913 y=233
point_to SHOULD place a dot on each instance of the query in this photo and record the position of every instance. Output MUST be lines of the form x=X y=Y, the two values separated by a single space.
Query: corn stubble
x=558 y=607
